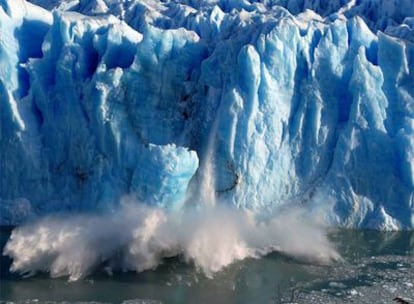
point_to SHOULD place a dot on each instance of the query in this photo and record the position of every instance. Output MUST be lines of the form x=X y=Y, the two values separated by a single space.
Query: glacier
x=264 y=104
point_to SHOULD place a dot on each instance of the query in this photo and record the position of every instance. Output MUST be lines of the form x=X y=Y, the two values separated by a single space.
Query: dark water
x=376 y=268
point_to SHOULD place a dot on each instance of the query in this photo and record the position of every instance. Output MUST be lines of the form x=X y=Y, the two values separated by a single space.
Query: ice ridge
x=289 y=102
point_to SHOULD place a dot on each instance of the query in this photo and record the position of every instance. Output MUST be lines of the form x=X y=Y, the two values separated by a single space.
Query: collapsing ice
x=180 y=105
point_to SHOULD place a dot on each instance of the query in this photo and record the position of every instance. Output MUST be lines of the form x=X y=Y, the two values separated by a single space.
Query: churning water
x=376 y=267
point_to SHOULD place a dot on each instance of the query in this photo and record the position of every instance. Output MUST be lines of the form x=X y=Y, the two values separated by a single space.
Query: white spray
x=137 y=237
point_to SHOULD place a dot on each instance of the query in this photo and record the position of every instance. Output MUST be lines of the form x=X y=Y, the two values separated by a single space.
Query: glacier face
x=281 y=102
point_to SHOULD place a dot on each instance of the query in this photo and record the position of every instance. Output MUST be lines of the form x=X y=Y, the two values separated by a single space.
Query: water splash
x=137 y=237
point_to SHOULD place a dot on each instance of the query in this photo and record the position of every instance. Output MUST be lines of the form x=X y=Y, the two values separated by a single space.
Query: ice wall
x=285 y=106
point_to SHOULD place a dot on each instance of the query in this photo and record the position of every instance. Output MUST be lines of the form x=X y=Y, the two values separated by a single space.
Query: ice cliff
x=275 y=102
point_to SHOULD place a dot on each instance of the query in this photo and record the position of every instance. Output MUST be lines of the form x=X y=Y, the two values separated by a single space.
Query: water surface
x=376 y=268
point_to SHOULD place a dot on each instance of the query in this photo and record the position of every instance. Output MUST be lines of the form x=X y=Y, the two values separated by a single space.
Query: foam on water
x=137 y=237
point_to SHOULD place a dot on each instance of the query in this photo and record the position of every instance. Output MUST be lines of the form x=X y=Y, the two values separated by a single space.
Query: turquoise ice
x=279 y=102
